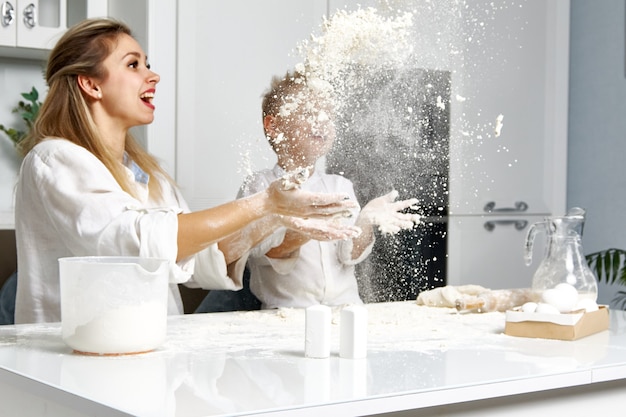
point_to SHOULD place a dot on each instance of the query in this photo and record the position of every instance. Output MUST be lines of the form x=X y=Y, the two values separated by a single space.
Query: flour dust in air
x=396 y=72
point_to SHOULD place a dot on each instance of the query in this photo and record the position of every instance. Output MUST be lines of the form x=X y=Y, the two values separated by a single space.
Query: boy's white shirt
x=320 y=272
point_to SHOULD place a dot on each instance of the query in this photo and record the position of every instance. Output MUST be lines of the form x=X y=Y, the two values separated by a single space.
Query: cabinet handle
x=8 y=13
x=519 y=206
x=518 y=224
x=30 y=16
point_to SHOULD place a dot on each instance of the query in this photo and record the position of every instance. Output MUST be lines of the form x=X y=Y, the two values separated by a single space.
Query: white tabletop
x=253 y=362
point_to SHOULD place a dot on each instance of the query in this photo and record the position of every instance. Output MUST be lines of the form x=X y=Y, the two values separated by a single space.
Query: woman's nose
x=154 y=77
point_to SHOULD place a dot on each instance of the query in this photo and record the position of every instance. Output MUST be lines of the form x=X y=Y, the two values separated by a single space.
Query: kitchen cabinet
x=32 y=24
x=30 y=27
x=489 y=250
x=520 y=71
x=519 y=68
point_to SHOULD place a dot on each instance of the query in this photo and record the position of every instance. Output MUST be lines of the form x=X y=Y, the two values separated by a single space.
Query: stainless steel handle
x=30 y=16
x=7 y=13
x=520 y=206
x=518 y=224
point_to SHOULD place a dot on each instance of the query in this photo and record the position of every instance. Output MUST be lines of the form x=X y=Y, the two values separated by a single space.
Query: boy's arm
x=300 y=231
x=291 y=244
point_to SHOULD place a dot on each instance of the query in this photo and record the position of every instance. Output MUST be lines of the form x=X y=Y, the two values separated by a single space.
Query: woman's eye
x=148 y=65
x=134 y=64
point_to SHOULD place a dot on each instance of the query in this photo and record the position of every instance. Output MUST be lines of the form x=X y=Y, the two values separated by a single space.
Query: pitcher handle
x=530 y=239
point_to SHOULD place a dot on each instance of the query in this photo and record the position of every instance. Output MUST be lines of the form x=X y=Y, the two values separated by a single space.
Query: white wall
x=16 y=77
x=597 y=124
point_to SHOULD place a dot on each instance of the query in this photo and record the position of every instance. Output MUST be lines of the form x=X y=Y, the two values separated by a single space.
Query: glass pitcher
x=564 y=261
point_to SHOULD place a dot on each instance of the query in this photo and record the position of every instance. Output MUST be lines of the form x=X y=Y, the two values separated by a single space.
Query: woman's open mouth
x=147 y=98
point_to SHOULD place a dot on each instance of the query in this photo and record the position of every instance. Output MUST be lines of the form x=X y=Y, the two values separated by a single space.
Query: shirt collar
x=140 y=175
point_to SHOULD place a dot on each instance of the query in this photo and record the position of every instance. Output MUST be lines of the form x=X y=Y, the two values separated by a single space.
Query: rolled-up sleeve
x=96 y=216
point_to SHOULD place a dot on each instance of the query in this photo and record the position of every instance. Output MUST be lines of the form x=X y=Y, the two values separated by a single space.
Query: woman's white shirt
x=69 y=204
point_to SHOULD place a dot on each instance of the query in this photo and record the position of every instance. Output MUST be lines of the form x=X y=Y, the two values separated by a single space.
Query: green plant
x=28 y=111
x=609 y=266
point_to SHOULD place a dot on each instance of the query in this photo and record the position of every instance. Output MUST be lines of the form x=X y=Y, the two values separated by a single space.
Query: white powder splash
x=361 y=40
x=367 y=55
x=499 y=124
x=407 y=105
x=395 y=71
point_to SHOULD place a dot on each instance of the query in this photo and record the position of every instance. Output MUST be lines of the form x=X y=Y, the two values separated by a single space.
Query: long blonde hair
x=65 y=114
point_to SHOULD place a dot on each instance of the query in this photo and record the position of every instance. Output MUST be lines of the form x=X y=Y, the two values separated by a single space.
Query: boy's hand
x=384 y=212
x=295 y=179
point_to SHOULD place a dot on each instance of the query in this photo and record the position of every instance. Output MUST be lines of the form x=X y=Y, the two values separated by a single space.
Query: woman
x=86 y=187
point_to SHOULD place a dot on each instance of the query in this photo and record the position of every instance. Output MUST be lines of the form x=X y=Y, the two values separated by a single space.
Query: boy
x=297 y=268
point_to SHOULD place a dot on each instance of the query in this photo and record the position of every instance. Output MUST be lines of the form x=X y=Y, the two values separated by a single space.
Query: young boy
x=299 y=268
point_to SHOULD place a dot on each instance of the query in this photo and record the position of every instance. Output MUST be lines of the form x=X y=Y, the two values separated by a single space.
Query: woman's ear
x=89 y=87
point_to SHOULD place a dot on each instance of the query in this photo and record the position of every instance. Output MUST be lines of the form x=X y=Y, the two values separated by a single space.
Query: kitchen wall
x=597 y=124
x=16 y=76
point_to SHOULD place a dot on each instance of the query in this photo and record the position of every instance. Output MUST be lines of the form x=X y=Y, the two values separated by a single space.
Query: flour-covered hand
x=385 y=212
x=295 y=179
x=298 y=203
x=321 y=229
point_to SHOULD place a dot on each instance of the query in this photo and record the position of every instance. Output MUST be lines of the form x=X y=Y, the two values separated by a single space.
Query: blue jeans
x=7 y=300
x=225 y=300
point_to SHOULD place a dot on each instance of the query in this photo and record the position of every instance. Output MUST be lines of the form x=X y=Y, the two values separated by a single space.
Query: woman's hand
x=320 y=229
x=297 y=203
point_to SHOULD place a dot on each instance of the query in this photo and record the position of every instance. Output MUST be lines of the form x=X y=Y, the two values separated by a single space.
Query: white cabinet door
x=32 y=23
x=515 y=66
x=40 y=22
x=228 y=52
x=489 y=251
x=37 y=24
x=520 y=71
x=8 y=23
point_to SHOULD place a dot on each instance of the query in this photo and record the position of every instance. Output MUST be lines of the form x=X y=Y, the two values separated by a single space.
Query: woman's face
x=129 y=85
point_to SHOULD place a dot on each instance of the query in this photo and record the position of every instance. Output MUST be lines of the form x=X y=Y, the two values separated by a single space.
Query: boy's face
x=305 y=129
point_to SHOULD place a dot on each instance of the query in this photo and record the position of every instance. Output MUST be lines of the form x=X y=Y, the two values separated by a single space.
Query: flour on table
x=447 y=296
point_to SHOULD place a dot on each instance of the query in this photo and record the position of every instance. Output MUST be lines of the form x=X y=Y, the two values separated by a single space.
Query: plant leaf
x=33 y=96
x=609 y=265
x=620 y=300
x=615 y=265
x=28 y=112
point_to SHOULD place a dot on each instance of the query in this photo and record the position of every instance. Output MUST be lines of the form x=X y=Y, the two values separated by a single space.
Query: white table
x=432 y=360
